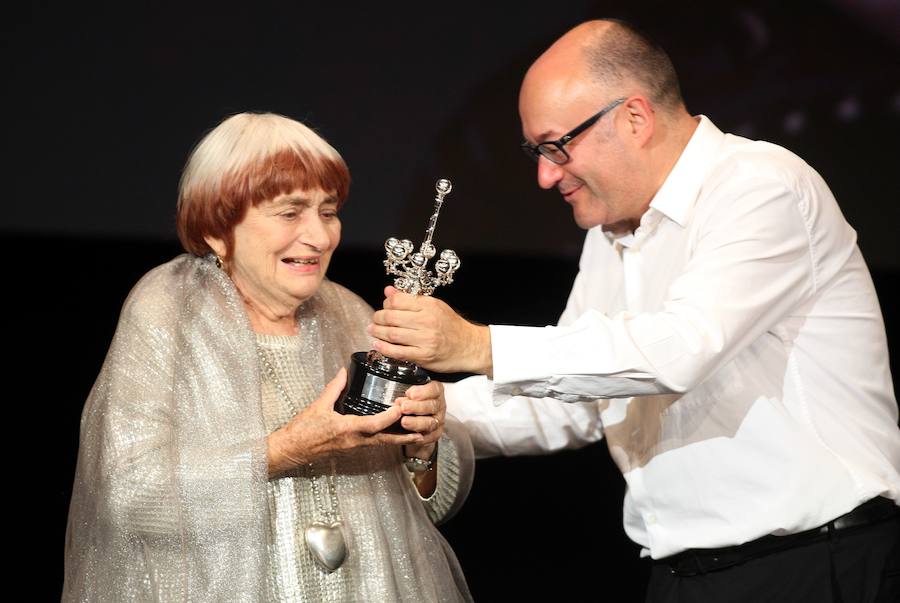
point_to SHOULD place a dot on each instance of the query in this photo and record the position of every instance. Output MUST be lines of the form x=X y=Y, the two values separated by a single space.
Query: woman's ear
x=217 y=245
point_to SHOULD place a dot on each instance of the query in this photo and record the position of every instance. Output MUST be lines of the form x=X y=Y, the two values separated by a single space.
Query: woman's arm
x=444 y=479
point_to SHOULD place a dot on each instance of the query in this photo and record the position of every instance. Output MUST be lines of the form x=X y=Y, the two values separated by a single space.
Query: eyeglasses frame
x=534 y=150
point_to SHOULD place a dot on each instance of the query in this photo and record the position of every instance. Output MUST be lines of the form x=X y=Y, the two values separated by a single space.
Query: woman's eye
x=289 y=215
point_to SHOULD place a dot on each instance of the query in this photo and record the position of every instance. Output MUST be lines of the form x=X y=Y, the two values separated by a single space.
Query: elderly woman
x=212 y=466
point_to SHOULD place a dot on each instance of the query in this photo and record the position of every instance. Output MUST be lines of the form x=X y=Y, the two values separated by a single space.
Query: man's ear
x=641 y=119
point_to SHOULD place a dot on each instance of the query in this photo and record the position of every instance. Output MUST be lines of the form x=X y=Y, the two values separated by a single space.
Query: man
x=723 y=335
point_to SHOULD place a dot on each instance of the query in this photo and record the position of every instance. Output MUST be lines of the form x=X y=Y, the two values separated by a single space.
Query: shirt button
x=651 y=518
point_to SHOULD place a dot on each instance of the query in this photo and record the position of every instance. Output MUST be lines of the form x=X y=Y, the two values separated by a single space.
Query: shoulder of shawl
x=335 y=295
x=157 y=292
x=343 y=317
x=171 y=286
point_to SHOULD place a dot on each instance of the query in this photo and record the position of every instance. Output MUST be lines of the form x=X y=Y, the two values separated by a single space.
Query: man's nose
x=548 y=173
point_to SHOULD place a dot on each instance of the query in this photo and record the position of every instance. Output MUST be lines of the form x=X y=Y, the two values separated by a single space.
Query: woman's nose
x=314 y=233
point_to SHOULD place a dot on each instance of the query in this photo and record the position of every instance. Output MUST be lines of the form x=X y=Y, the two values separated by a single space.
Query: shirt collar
x=679 y=192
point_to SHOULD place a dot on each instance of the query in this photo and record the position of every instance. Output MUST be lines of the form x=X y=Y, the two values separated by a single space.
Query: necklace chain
x=333 y=515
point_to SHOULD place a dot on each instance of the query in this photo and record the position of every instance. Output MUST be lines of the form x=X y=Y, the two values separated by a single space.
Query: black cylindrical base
x=373 y=386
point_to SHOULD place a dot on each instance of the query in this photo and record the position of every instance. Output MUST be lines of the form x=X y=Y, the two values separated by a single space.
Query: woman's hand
x=319 y=431
x=424 y=409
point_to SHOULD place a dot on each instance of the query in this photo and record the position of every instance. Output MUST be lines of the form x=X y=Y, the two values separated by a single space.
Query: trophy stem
x=432 y=222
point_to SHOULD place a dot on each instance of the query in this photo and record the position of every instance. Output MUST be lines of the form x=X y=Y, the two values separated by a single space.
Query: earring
x=218 y=261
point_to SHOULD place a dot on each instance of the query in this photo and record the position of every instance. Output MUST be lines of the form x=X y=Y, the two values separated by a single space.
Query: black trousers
x=851 y=565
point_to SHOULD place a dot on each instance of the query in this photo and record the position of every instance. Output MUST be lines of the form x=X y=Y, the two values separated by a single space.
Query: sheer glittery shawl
x=169 y=501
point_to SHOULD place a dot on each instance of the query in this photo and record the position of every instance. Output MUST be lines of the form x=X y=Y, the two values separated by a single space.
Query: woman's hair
x=245 y=160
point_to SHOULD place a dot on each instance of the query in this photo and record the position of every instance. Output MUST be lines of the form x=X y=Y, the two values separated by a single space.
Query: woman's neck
x=269 y=320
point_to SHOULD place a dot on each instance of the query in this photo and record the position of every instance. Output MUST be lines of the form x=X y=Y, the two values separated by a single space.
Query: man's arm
x=521 y=426
x=750 y=267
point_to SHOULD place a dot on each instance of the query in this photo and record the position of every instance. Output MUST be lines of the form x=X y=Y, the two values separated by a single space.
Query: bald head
x=611 y=57
x=623 y=91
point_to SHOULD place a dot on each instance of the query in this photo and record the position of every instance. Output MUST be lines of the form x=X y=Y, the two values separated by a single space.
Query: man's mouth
x=568 y=192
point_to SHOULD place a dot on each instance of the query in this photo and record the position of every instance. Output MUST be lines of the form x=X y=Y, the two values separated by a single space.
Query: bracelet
x=414 y=464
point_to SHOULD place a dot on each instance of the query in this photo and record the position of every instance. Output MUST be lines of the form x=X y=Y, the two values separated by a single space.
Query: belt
x=700 y=561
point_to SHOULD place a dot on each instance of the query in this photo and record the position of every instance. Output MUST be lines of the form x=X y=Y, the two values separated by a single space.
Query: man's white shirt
x=731 y=351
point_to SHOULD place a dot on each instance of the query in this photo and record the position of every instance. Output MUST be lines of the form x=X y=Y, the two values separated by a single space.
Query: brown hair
x=245 y=160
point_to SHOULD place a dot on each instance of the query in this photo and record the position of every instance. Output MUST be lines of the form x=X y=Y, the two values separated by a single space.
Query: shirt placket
x=633 y=260
x=633 y=257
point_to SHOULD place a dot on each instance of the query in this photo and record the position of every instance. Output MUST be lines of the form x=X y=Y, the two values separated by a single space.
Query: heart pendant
x=326 y=543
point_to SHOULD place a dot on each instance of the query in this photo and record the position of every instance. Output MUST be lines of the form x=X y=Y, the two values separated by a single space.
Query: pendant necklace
x=324 y=536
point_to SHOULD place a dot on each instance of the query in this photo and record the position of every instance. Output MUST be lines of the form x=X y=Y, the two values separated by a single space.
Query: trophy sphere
x=449 y=256
x=443 y=186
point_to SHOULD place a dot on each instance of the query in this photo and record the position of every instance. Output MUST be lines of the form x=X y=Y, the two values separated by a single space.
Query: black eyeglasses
x=553 y=149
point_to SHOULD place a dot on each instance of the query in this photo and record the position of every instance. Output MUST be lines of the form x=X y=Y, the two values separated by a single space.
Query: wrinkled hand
x=318 y=431
x=423 y=410
x=427 y=331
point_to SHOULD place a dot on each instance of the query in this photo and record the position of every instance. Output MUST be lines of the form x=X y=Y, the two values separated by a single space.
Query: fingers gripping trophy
x=376 y=380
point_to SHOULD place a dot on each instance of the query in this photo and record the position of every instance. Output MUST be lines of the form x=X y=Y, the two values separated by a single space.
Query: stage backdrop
x=103 y=104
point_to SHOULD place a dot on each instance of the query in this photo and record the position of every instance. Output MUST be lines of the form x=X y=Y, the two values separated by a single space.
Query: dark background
x=102 y=104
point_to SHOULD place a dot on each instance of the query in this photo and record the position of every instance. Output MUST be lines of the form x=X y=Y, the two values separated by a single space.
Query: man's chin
x=586 y=221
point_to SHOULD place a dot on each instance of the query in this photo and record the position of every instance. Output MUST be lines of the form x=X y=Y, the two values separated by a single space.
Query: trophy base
x=374 y=381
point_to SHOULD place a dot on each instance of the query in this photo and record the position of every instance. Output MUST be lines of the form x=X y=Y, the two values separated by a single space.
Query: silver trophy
x=375 y=380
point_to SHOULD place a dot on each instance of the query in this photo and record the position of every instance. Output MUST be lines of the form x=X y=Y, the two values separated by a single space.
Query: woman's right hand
x=319 y=431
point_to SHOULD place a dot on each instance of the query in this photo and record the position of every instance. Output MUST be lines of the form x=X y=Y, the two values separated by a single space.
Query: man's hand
x=427 y=331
